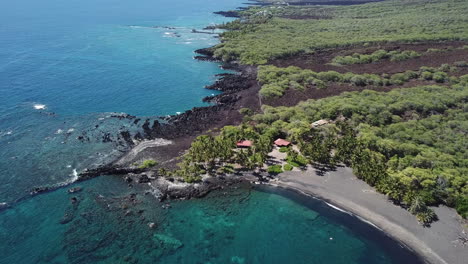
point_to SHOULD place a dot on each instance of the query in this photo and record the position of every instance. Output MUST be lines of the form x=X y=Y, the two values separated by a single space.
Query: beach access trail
x=438 y=244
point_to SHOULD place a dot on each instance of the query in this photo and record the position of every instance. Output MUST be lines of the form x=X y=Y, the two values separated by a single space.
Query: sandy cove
x=438 y=244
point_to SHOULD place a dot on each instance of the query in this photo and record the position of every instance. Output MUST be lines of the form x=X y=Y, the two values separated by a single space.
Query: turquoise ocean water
x=65 y=68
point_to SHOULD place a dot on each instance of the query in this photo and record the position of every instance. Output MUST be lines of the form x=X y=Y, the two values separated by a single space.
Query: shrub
x=192 y=178
x=461 y=205
x=319 y=84
x=287 y=167
x=398 y=79
x=411 y=75
x=347 y=77
x=426 y=217
x=433 y=50
x=275 y=169
x=427 y=69
x=358 y=80
x=440 y=77
x=329 y=76
x=271 y=90
x=444 y=67
x=283 y=149
x=246 y=111
x=148 y=164
x=373 y=79
x=293 y=163
x=405 y=55
x=228 y=169
x=460 y=64
x=426 y=75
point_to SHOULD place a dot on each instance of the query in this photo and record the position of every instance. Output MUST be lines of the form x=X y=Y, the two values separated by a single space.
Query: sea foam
x=39 y=106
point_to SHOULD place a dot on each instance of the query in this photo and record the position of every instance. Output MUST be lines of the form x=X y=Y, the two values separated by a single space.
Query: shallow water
x=236 y=225
x=64 y=67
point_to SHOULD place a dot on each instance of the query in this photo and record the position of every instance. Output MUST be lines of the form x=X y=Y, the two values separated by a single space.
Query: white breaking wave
x=75 y=176
x=368 y=222
x=6 y=133
x=39 y=106
x=59 y=131
x=337 y=208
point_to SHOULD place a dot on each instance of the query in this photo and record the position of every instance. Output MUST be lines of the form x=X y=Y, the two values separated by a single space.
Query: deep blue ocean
x=66 y=67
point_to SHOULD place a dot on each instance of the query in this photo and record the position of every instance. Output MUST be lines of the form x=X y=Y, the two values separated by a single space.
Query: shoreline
x=341 y=190
x=183 y=128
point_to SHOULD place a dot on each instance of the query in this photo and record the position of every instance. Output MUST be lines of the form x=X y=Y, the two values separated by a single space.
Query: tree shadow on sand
x=322 y=169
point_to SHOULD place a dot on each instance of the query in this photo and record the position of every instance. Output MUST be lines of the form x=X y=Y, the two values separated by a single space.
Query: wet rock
x=106 y=170
x=40 y=189
x=74 y=190
x=128 y=179
x=152 y=225
x=67 y=218
x=143 y=178
x=232 y=13
x=138 y=136
x=127 y=137
x=121 y=116
x=3 y=206
x=106 y=138
x=205 y=52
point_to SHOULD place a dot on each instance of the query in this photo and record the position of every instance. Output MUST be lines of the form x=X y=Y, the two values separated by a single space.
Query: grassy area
x=263 y=34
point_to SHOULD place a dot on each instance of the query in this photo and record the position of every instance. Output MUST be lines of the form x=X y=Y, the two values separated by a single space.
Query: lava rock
x=74 y=190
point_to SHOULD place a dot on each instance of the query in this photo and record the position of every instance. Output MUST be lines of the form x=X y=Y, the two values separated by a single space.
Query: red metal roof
x=244 y=143
x=281 y=142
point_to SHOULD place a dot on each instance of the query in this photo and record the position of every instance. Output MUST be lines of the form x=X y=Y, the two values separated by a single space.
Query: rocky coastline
x=238 y=89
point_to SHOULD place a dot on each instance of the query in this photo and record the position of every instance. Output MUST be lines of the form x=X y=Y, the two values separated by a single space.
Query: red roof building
x=244 y=144
x=282 y=143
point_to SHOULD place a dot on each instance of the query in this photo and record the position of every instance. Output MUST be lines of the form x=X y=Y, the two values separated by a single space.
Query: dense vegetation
x=275 y=81
x=409 y=143
x=394 y=55
x=264 y=34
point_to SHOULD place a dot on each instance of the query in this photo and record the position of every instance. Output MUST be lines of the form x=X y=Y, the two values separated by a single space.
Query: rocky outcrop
x=180 y=190
x=231 y=13
x=106 y=170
